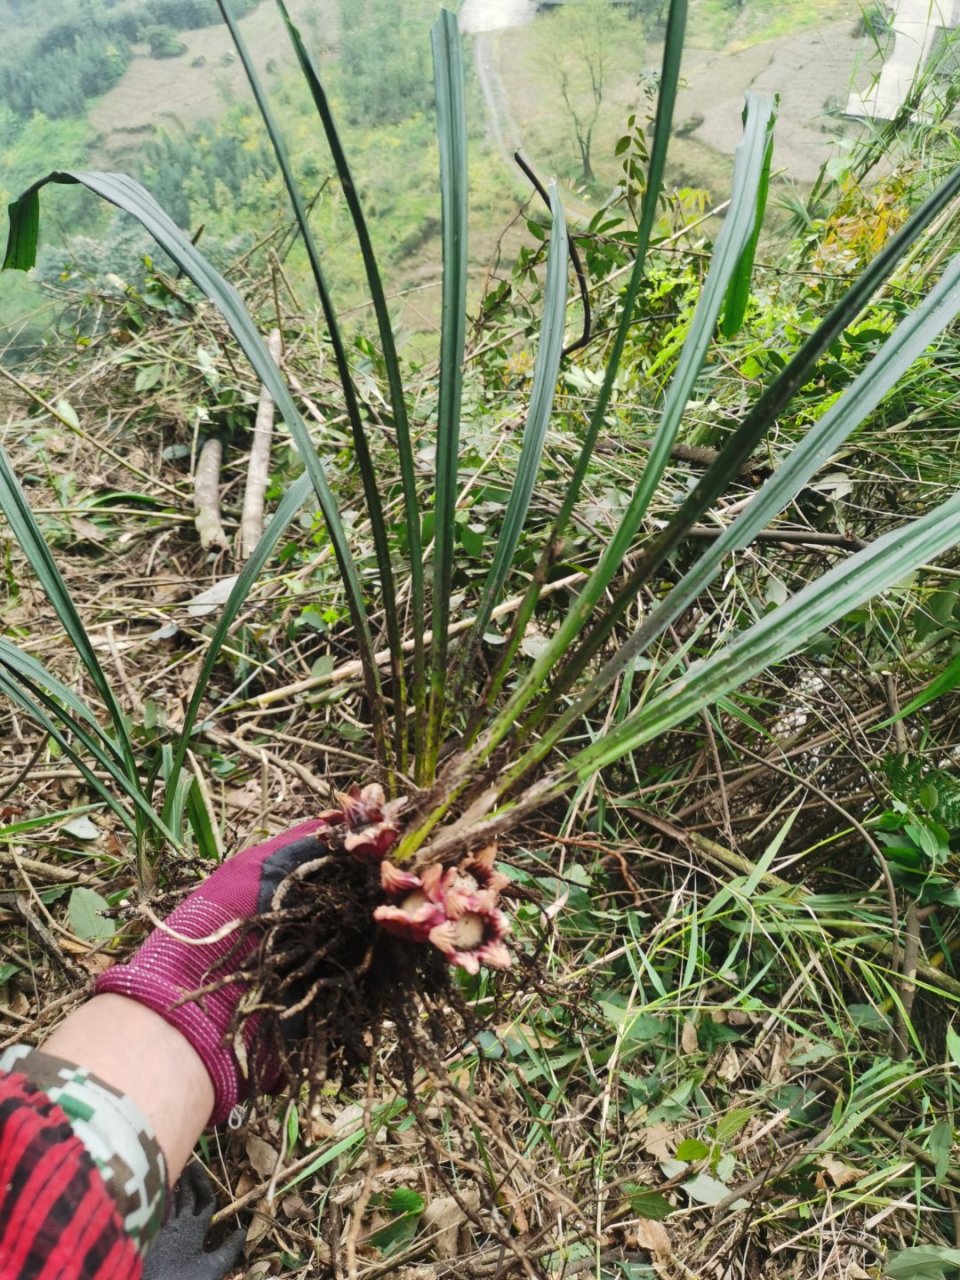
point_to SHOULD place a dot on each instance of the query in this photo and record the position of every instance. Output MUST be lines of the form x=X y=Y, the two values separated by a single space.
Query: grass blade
x=361 y=446
x=132 y=198
x=452 y=137
x=391 y=362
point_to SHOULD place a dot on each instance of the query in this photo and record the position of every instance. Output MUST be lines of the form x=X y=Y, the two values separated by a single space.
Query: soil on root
x=325 y=979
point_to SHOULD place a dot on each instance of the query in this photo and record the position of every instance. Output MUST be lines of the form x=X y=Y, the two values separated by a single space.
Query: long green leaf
x=736 y=232
x=361 y=445
x=452 y=137
x=945 y=682
x=907 y=342
x=663 y=127
x=738 y=293
x=758 y=421
x=30 y=671
x=24 y=229
x=781 y=632
x=132 y=198
x=534 y=432
x=62 y=714
x=53 y=725
x=287 y=509
x=391 y=362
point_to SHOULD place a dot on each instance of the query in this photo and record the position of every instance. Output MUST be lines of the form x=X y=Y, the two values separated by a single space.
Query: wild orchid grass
x=439 y=884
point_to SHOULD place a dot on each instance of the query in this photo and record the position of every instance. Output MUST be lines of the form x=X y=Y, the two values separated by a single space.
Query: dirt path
x=500 y=124
x=502 y=127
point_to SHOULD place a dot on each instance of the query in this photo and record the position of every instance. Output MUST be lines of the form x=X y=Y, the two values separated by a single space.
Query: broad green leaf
x=926 y=1262
x=85 y=913
x=703 y=1189
x=692 y=1149
x=940 y=1146
x=733 y=1122
x=24 y=229
x=68 y=413
x=646 y=1203
x=408 y=1205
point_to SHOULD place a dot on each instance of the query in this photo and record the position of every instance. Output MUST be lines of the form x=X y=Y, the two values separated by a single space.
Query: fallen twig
x=43 y=870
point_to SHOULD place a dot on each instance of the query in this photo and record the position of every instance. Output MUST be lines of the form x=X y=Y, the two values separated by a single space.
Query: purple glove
x=164 y=971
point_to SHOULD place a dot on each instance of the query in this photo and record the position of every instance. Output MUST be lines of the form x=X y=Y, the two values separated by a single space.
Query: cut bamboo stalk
x=206 y=496
x=258 y=471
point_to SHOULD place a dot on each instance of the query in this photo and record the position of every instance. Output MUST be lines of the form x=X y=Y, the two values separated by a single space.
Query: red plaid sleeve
x=57 y=1219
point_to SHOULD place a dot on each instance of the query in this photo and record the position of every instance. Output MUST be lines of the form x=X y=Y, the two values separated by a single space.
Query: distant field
x=805 y=50
x=174 y=92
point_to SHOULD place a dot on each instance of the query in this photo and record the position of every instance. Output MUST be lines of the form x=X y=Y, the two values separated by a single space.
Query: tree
x=385 y=70
x=587 y=34
x=163 y=41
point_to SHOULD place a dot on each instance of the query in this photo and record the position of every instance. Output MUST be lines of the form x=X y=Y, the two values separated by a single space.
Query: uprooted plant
x=413 y=853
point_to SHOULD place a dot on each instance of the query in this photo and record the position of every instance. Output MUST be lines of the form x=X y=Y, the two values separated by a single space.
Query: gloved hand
x=165 y=970
x=177 y=1253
